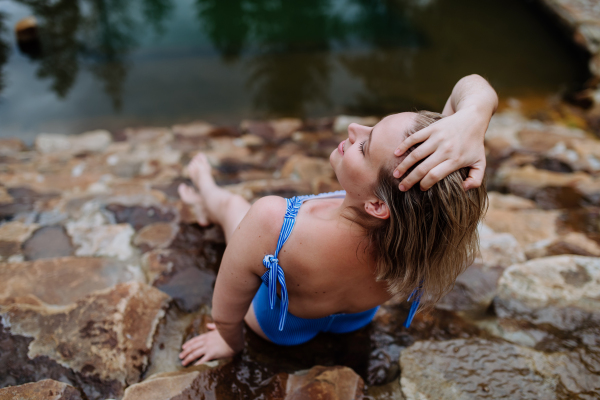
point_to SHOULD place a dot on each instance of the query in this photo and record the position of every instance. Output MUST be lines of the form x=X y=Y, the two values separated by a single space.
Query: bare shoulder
x=258 y=232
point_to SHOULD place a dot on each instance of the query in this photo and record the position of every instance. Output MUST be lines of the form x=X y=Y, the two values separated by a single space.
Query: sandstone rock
x=89 y=142
x=561 y=291
x=284 y=128
x=533 y=229
x=199 y=128
x=103 y=240
x=61 y=281
x=139 y=215
x=499 y=249
x=500 y=201
x=190 y=288
x=48 y=242
x=341 y=123
x=99 y=343
x=477 y=368
x=156 y=235
x=46 y=389
x=306 y=168
x=326 y=383
x=12 y=235
x=11 y=145
x=570 y=243
x=167 y=386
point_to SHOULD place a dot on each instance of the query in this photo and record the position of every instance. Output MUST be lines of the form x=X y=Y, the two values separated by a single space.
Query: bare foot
x=191 y=197
x=200 y=173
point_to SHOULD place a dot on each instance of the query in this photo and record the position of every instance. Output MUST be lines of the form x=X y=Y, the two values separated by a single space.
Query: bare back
x=327 y=267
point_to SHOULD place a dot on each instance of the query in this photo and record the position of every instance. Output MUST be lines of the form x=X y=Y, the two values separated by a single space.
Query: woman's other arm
x=453 y=142
x=237 y=282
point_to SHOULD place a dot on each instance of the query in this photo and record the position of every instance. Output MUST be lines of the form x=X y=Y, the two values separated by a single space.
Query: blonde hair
x=431 y=236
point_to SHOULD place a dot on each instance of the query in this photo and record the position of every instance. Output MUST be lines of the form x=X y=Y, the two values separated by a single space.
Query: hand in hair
x=453 y=142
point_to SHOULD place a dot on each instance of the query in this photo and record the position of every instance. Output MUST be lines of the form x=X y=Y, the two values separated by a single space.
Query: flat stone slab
x=47 y=389
x=102 y=340
x=482 y=369
x=563 y=291
x=61 y=281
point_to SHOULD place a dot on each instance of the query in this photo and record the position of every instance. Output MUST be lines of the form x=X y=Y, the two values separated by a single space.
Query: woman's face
x=357 y=160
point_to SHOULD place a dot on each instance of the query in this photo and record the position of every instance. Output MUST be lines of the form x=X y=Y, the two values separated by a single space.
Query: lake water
x=114 y=63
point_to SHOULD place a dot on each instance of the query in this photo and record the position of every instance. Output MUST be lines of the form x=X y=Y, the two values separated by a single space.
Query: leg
x=213 y=204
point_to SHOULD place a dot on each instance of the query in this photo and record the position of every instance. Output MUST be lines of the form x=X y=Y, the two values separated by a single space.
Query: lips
x=341 y=147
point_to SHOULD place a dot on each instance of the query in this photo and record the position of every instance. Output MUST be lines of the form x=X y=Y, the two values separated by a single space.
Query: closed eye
x=361 y=146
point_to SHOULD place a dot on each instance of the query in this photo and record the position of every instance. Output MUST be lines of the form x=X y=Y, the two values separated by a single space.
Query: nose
x=353 y=130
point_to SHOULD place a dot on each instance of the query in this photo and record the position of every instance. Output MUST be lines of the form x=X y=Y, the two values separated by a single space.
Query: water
x=112 y=64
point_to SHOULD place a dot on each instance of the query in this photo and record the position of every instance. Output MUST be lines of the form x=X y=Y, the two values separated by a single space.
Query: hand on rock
x=449 y=144
x=206 y=347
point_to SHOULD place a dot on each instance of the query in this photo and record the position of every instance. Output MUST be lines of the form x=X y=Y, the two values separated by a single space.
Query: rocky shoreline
x=104 y=272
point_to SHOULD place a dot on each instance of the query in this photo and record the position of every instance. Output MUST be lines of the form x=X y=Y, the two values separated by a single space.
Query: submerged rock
x=99 y=343
x=562 y=291
x=478 y=368
x=46 y=389
x=325 y=383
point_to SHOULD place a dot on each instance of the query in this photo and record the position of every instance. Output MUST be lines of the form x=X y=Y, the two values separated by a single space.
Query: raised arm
x=237 y=282
x=453 y=142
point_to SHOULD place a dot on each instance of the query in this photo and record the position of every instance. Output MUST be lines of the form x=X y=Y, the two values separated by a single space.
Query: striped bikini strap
x=271 y=262
x=416 y=300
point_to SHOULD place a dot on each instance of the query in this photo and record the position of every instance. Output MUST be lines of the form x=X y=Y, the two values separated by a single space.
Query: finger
x=475 y=178
x=413 y=139
x=194 y=355
x=193 y=341
x=438 y=173
x=203 y=359
x=211 y=325
x=417 y=154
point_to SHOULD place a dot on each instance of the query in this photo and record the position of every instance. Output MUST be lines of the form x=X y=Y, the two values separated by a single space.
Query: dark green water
x=115 y=63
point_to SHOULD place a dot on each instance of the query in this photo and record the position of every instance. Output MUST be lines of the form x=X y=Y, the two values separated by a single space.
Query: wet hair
x=431 y=236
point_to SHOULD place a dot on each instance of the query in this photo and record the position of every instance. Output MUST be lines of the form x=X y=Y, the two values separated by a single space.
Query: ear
x=377 y=209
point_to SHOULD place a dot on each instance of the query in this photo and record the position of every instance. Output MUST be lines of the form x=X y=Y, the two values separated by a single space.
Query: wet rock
x=326 y=383
x=140 y=216
x=500 y=201
x=478 y=368
x=48 y=242
x=89 y=142
x=389 y=391
x=560 y=291
x=341 y=123
x=99 y=343
x=61 y=281
x=11 y=145
x=46 y=389
x=169 y=386
x=24 y=200
x=156 y=235
x=190 y=288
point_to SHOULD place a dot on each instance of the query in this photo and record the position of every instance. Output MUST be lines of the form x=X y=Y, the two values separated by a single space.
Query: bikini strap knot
x=276 y=274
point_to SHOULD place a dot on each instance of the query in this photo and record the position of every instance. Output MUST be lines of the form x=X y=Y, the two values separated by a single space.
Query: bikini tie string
x=276 y=274
x=416 y=296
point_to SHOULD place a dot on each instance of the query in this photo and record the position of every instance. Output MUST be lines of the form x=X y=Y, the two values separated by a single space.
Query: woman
x=347 y=252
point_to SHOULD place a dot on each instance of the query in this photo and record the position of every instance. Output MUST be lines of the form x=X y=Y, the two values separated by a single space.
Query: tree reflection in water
x=4 y=49
x=94 y=33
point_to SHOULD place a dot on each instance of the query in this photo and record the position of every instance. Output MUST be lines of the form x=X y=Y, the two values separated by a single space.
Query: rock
x=499 y=249
x=341 y=123
x=284 y=128
x=199 y=128
x=570 y=243
x=46 y=389
x=478 y=368
x=12 y=235
x=190 y=288
x=156 y=235
x=498 y=201
x=48 y=242
x=306 y=168
x=11 y=145
x=103 y=240
x=99 y=343
x=532 y=229
x=139 y=216
x=561 y=291
x=89 y=142
x=168 y=386
x=61 y=281
x=324 y=383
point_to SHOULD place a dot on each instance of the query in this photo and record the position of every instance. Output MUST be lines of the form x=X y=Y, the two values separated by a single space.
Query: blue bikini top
x=275 y=273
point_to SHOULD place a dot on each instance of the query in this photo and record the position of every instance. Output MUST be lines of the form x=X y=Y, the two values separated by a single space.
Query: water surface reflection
x=109 y=63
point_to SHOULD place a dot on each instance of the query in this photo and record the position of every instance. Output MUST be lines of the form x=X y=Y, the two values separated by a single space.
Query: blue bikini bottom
x=299 y=330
